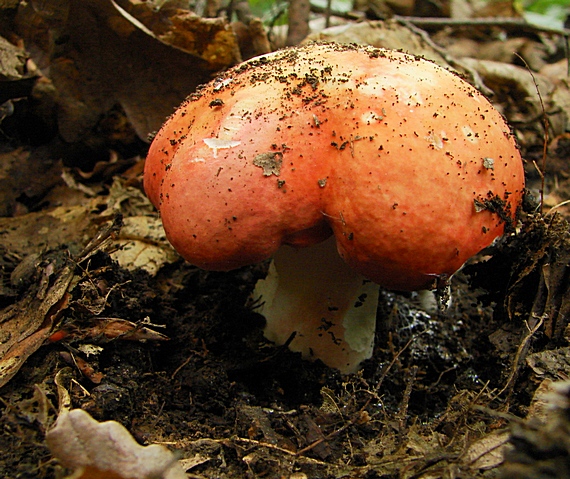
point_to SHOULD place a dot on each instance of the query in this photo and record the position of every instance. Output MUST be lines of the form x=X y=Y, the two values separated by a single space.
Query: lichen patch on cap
x=270 y=162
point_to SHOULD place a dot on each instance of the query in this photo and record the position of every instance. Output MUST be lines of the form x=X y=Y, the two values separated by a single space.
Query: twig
x=403 y=410
x=299 y=11
x=563 y=203
x=509 y=23
x=389 y=366
x=261 y=444
x=357 y=417
x=545 y=124
x=328 y=14
x=533 y=327
x=349 y=15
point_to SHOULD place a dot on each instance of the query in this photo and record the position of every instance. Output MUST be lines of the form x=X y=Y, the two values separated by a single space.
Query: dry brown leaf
x=26 y=324
x=25 y=174
x=17 y=73
x=522 y=89
x=551 y=364
x=48 y=229
x=142 y=242
x=84 y=366
x=487 y=452
x=106 y=57
x=143 y=245
x=540 y=407
x=382 y=34
x=497 y=50
x=107 y=450
x=210 y=39
x=116 y=328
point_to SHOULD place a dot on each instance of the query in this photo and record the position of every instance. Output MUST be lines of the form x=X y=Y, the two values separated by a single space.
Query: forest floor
x=97 y=308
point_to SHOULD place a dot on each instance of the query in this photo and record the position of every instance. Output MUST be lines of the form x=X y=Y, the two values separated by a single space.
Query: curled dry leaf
x=106 y=57
x=518 y=90
x=48 y=229
x=13 y=62
x=84 y=366
x=116 y=328
x=96 y=450
x=210 y=39
x=552 y=364
x=487 y=452
x=28 y=323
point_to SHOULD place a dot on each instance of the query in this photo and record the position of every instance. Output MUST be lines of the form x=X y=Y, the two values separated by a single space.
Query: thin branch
x=509 y=23
x=533 y=326
x=546 y=125
x=299 y=11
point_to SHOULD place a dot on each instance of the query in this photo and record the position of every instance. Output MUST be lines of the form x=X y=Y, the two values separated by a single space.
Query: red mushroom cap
x=409 y=166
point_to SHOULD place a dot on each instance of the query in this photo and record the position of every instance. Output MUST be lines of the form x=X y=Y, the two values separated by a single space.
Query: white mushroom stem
x=331 y=308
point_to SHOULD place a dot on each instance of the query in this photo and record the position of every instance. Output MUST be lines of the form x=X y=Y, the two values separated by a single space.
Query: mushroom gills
x=331 y=308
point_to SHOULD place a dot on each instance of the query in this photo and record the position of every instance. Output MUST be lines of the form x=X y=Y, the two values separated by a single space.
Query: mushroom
x=352 y=167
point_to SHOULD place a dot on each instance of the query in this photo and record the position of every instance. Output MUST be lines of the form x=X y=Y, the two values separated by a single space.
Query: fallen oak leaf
x=107 y=450
x=142 y=245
